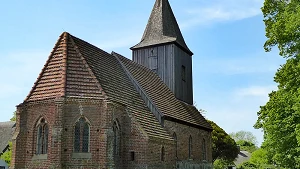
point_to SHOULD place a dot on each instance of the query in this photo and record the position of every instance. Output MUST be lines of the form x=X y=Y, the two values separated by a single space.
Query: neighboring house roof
x=242 y=157
x=6 y=133
x=77 y=68
x=162 y=28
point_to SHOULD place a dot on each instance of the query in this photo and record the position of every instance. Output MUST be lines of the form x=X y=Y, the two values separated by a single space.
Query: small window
x=203 y=149
x=81 y=136
x=176 y=144
x=153 y=63
x=183 y=73
x=132 y=156
x=162 y=156
x=116 y=141
x=190 y=147
x=42 y=137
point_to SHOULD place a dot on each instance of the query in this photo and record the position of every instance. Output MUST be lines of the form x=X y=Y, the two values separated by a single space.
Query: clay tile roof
x=162 y=96
x=65 y=74
x=6 y=132
x=118 y=87
x=162 y=28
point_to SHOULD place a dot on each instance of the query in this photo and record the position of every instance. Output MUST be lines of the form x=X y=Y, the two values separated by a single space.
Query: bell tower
x=163 y=50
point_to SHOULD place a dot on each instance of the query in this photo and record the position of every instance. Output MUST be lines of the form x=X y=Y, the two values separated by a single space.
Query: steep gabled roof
x=77 y=68
x=162 y=96
x=6 y=132
x=65 y=73
x=162 y=28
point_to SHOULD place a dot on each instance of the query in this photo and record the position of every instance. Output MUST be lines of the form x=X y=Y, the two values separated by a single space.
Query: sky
x=232 y=74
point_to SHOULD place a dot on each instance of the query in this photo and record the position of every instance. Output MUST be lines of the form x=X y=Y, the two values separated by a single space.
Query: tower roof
x=162 y=28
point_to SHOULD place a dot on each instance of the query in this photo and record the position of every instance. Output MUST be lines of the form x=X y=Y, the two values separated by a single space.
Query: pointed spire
x=162 y=28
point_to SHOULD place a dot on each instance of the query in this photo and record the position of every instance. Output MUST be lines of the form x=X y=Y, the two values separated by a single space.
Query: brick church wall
x=25 y=137
x=61 y=116
x=183 y=132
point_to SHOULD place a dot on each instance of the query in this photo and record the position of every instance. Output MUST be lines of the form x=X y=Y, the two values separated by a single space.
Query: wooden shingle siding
x=170 y=59
x=165 y=62
x=183 y=89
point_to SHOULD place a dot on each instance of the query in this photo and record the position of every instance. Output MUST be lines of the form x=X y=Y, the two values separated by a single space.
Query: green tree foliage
x=246 y=146
x=224 y=147
x=247 y=165
x=6 y=156
x=282 y=20
x=221 y=164
x=280 y=117
x=244 y=136
x=260 y=158
x=14 y=118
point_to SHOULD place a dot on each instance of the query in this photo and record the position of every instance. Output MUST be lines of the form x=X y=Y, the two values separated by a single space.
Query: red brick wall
x=28 y=116
x=95 y=113
x=183 y=133
x=61 y=116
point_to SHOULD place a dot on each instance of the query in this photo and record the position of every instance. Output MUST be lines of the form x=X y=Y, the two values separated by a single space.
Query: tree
x=14 y=118
x=280 y=117
x=224 y=147
x=244 y=136
x=282 y=21
x=259 y=158
x=247 y=165
x=246 y=146
x=6 y=156
x=221 y=164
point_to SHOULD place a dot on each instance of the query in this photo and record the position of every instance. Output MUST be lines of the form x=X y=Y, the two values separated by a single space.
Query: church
x=92 y=109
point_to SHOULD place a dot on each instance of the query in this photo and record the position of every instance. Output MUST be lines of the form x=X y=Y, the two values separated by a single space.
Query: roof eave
x=187 y=123
x=138 y=46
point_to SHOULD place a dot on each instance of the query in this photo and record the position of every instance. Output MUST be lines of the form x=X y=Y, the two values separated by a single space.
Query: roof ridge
x=147 y=99
x=61 y=37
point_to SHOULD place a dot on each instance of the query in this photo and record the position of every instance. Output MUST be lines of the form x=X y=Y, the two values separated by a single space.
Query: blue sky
x=232 y=74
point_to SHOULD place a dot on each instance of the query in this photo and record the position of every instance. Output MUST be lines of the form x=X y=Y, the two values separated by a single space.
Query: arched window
x=176 y=144
x=190 y=147
x=203 y=149
x=162 y=155
x=116 y=142
x=42 y=137
x=81 y=136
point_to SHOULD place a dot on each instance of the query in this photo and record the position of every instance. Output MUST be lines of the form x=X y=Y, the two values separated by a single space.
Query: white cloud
x=254 y=63
x=221 y=11
x=254 y=92
x=236 y=109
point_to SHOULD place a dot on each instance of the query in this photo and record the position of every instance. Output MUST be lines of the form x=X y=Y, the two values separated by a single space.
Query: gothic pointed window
x=42 y=137
x=162 y=156
x=203 y=149
x=116 y=141
x=81 y=136
x=176 y=144
x=190 y=147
